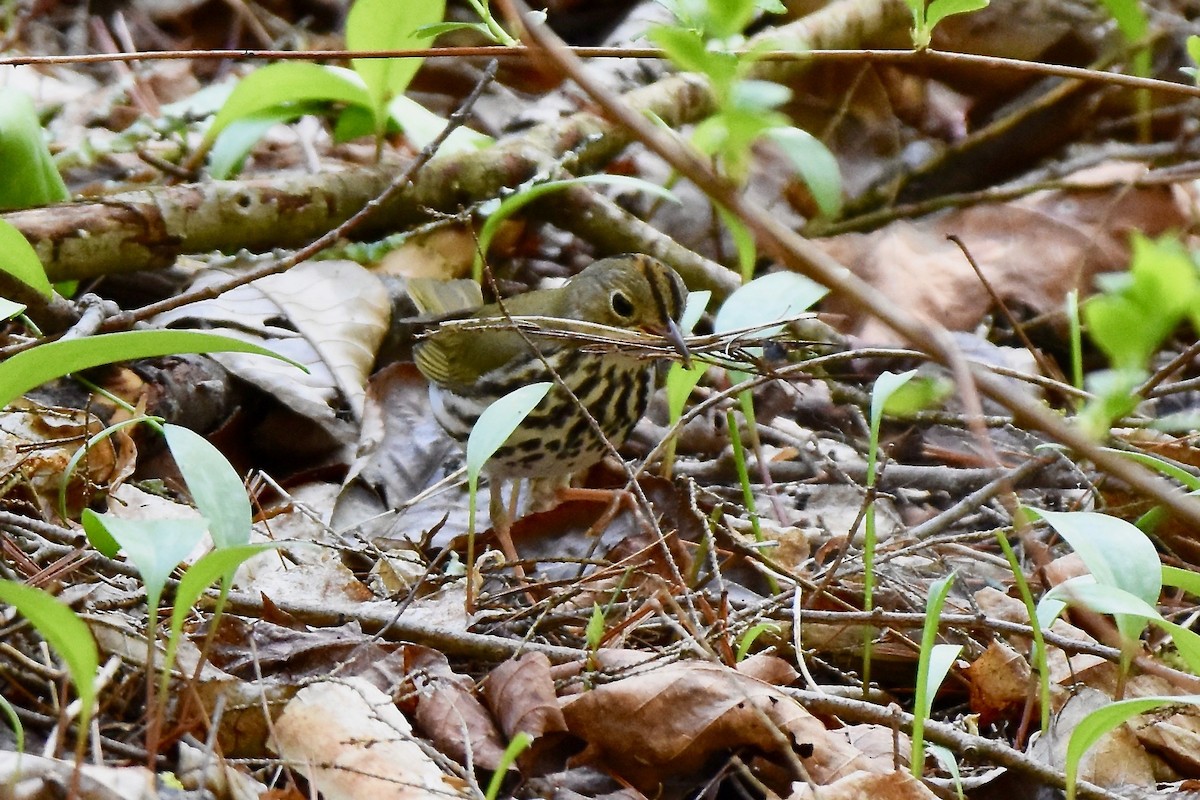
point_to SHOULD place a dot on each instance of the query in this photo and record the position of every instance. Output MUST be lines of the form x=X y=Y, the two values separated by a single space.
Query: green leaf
x=238 y=138
x=594 y=633
x=1106 y=718
x=816 y=165
x=32 y=368
x=1140 y=309
x=684 y=46
x=215 y=487
x=287 y=82
x=154 y=546
x=64 y=632
x=917 y=395
x=30 y=177
x=728 y=17
x=679 y=384
x=743 y=243
x=940 y=9
x=498 y=421
x=515 y=202
x=10 y=310
x=749 y=637
x=1114 y=551
x=886 y=385
x=14 y=722
x=218 y=565
x=389 y=25
x=422 y=126
x=932 y=667
x=772 y=298
x=1182 y=578
x=18 y=259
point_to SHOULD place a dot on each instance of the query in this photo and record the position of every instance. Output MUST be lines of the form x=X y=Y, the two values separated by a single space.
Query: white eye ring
x=621 y=305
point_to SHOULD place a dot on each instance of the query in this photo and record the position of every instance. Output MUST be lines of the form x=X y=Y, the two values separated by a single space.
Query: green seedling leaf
x=886 y=385
x=284 y=83
x=917 y=395
x=492 y=429
x=940 y=9
x=498 y=421
x=1138 y=310
x=17 y=256
x=1182 y=578
x=389 y=25
x=1096 y=724
x=1131 y=614
x=729 y=17
x=64 y=632
x=30 y=177
x=1115 y=551
x=932 y=668
x=515 y=202
x=693 y=309
x=687 y=50
x=215 y=487
x=10 y=310
x=816 y=165
x=107 y=547
x=1161 y=466
x=519 y=744
x=32 y=368
x=748 y=639
x=238 y=138
x=594 y=634
x=218 y=565
x=154 y=546
x=14 y=722
x=771 y=298
x=743 y=243
x=680 y=382
x=422 y=126
x=949 y=762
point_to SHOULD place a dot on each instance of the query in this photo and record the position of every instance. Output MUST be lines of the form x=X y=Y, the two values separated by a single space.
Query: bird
x=468 y=368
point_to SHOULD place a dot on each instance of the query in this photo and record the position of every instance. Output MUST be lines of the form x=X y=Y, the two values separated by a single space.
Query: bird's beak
x=675 y=337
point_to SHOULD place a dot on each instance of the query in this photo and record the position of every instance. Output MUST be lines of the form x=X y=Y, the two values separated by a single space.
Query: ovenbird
x=469 y=368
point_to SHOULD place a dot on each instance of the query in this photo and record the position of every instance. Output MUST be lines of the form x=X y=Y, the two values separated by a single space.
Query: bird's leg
x=615 y=499
x=502 y=518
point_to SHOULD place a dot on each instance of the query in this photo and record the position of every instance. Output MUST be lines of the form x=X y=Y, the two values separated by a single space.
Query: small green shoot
x=31 y=368
x=1136 y=311
x=886 y=385
x=14 y=722
x=69 y=637
x=215 y=487
x=523 y=197
x=682 y=380
x=18 y=258
x=750 y=636
x=1096 y=724
x=517 y=745
x=1076 y=335
x=926 y=18
x=219 y=565
x=932 y=667
x=949 y=762
x=492 y=429
x=594 y=634
x=30 y=176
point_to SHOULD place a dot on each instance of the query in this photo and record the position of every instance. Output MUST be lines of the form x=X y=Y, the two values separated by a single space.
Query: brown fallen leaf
x=674 y=719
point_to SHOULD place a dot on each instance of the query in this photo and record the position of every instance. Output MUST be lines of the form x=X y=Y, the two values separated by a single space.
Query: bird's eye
x=621 y=305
